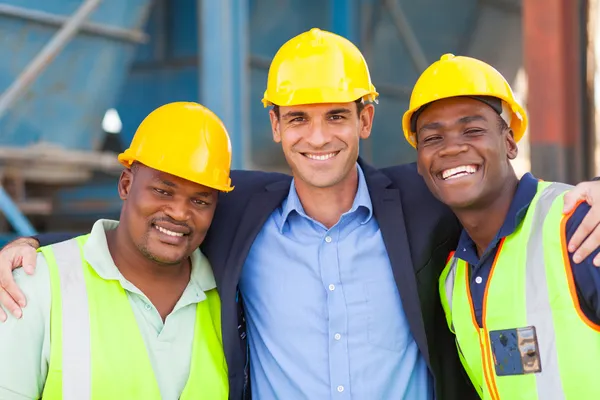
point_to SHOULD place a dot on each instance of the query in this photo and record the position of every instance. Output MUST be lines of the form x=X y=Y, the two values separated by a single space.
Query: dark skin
x=463 y=134
x=164 y=218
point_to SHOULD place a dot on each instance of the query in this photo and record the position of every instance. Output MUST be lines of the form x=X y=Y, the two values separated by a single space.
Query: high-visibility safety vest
x=535 y=342
x=97 y=351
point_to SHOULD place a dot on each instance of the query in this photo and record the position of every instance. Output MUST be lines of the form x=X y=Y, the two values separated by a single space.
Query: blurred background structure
x=78 y=76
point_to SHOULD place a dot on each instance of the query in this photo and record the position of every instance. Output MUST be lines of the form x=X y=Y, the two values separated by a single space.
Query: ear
x=512 y=150
x=366 y=120
x=275 y=126
x=125 y=182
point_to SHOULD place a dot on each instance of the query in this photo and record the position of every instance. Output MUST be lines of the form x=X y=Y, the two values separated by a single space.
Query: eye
x=297 y=119
x=474 y=131
x=431 y=139
x=161 y=192
x=199 y=202
x=337 y=117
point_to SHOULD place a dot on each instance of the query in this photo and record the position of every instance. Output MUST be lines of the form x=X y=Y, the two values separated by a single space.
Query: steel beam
x=14 y=215
x=555 y=54
x=407 y=35
x=343 y=19
x=45 y=18
x=224 y=72
x=46 y=55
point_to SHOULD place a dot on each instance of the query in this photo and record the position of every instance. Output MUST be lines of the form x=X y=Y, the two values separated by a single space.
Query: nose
x=318 y=136
x=453 y=145
x=178 y=209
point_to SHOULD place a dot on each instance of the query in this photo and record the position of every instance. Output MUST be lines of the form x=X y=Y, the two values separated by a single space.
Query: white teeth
x=322 y=157
x=458 y=172
x=168 y=232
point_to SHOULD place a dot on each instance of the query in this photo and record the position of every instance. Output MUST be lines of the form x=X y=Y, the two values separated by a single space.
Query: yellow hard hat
x=184 y=139
x=318 y=67
x=454 y=76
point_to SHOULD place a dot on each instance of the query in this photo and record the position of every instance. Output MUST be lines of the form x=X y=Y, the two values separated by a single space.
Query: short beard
x=144 y=250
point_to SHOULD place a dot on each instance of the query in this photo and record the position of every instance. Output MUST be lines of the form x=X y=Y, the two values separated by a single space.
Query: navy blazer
x=419 y=232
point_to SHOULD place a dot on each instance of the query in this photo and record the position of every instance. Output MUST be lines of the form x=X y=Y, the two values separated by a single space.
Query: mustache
x=172 y=222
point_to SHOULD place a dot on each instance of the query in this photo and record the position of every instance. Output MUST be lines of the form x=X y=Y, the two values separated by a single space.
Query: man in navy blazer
x=328 y=280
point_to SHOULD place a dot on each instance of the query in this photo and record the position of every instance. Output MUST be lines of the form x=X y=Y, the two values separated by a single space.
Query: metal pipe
x=14 y=215
x=46 y=55
x=101 y=161
x=407 y=35
x=54 y=20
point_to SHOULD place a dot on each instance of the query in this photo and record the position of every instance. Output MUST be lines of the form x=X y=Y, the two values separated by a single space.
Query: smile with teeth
x=321 y=157
x=458 y=172
x=168 y=232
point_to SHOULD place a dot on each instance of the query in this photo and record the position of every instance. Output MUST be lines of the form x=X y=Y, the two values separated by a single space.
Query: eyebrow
x=174 y=185
x=294 y=114
x=339 y=111
x=463 y=120
x=472 y=118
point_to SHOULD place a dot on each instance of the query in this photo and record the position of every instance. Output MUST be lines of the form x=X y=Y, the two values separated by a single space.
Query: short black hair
x=359 y=107
x=502 y=125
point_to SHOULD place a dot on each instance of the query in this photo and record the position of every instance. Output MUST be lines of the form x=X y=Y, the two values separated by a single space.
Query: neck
x=326 y=205
x=140 y=270
x=483 y=223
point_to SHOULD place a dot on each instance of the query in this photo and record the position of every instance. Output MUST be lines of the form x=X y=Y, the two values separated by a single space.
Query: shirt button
x=337 y=336
x=332 y=287
x=148 y=307
x=478 y=280
x=328 y=239
x=340 y=388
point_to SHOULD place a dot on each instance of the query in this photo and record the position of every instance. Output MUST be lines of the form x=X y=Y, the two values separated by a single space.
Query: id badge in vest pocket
x=516 y=351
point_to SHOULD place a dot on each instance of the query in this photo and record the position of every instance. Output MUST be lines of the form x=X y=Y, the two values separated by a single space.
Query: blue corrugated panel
x=67 y=102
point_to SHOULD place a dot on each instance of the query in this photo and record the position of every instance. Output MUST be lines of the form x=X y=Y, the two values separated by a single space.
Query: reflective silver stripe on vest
x=76 y=359
x=539 y=311
x=449 y=288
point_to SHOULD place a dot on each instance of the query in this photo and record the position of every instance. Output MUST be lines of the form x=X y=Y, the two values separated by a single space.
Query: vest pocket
x=387 y=324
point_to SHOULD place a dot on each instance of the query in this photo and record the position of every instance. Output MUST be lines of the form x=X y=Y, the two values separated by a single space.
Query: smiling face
x=165 y=216
x=463 y=152
x=321 y=141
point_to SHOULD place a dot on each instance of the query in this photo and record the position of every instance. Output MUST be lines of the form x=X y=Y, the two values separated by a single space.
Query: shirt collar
x=96 y=253
x=362 y=199
x=526 y=191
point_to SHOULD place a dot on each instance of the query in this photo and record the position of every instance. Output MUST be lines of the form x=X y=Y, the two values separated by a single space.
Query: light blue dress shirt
x=323 y=312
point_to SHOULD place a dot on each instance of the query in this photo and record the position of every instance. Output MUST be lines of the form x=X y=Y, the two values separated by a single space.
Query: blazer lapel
x=260 y=206
x=387 y=209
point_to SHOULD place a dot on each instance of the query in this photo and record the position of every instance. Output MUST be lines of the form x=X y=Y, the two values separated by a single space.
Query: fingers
x=11 y=297
x=28 y=259
x=3 y=315
x=581 y=192
x=589 y=245
x=9 y=303
x=589 y=223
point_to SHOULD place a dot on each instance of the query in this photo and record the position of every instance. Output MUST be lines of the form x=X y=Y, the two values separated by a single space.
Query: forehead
x=316 y=109
x=147 y=174
x=454 y=109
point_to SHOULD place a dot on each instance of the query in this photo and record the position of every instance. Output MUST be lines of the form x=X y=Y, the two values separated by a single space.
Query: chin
x=459 y=201
x=164 y=257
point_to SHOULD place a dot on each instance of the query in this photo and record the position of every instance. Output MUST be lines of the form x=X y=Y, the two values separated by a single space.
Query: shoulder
x=575 y=219
x=245 y=179
x=27 y=339
x=430 y=224
x=416 y=196
x=35 y=287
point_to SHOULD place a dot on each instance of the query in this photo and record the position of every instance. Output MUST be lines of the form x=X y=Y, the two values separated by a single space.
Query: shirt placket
x=339 y=363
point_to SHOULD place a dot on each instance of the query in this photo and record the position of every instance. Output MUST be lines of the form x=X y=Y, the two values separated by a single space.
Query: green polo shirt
x=25 y=342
